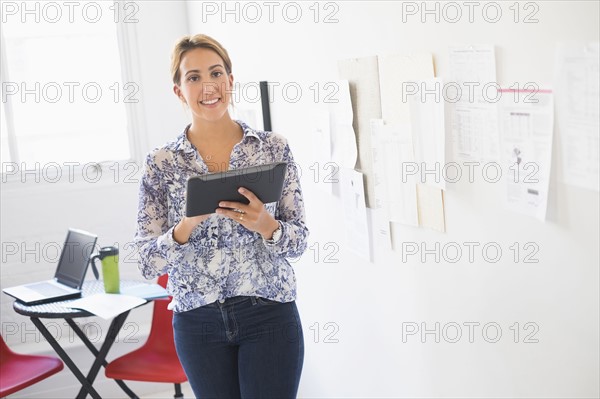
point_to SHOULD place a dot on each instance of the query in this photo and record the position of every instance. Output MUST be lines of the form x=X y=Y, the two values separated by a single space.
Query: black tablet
x=204 y=192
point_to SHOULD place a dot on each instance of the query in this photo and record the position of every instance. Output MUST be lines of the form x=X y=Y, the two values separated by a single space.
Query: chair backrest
x=18 y=371
x=5 y=351
x=161 y=331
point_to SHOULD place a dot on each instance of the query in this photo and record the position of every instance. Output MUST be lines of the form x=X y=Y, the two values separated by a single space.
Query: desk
x=59 y=310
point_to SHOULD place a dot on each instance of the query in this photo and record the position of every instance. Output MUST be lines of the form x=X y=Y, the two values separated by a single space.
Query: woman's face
x=204 y=85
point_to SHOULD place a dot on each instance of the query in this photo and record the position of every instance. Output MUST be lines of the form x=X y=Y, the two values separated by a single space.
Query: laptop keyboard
x=47 y=289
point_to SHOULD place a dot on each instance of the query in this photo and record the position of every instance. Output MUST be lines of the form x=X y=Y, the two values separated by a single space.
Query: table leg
x=111 y=336
x=86 y=385
x=95 y=352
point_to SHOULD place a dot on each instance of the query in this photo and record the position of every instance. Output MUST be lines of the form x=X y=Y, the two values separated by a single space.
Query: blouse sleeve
x=290 y=213
x=157 y=250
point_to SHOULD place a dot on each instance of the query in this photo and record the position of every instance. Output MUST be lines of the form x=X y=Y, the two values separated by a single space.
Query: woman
x=236 y=326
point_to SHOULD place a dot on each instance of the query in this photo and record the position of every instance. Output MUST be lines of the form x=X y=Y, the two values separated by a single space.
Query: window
x=63 y=96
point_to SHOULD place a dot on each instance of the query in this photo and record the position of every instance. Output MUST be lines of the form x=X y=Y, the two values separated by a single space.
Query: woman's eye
x=193 y=78
x=216 y=74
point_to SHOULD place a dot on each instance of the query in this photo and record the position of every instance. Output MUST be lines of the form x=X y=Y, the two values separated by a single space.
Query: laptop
x=69 y=276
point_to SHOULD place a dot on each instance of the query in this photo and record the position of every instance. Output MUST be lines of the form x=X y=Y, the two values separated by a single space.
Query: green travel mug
x=109 y=256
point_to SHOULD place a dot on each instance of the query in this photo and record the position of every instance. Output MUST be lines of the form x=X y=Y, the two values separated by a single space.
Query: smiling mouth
x=210 y=102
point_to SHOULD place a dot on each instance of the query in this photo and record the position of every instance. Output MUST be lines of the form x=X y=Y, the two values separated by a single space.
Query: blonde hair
x=188 y=43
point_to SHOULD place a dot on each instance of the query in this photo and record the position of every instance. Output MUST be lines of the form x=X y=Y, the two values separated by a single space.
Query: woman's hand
x=183 y=229
x=252 y=216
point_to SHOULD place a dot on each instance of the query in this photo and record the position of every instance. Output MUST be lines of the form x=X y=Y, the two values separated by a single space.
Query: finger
x=233 y=205
x=250 y=195
x=237 y=216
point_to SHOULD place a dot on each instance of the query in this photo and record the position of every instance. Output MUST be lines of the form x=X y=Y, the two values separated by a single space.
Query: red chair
x=156 y=360
x=20 y=371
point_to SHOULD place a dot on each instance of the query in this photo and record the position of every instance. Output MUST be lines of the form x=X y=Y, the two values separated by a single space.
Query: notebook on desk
x=69 y=275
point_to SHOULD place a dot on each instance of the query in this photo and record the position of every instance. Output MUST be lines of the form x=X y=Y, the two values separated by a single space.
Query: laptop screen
x=75 y=257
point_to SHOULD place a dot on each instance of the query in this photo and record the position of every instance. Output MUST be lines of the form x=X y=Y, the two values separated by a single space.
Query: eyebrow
x=198 y=71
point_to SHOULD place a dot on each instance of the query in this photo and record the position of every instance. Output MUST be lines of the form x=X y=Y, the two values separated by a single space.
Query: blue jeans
x=245 y=347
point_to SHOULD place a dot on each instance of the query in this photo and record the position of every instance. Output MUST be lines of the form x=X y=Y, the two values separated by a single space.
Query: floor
x=185 y=388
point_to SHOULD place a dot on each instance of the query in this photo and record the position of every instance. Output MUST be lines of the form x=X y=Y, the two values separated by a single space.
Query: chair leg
x=178 y=393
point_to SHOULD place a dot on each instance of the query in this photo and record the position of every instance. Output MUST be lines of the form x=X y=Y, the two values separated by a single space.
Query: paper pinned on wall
x=398 y=79
x=362 y=73
x=431 y=207
x=381 y=219
x=428 y=134
x=577 y=91
x=396 y=188
x=381 y=214
x=321 y=140
x=395 y=192
x=343 y=138
x=472 y=89
x=355 y=213
x=526 y=126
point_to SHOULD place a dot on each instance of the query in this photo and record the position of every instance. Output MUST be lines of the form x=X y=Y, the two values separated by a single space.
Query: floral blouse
x=222 y=258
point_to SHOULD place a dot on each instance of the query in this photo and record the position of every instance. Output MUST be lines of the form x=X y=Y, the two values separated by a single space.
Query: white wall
x=369 y=302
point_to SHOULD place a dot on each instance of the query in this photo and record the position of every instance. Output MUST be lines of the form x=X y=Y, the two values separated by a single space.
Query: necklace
x=209 y=157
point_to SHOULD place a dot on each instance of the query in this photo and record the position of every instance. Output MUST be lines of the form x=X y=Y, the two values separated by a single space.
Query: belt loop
x=253 y=300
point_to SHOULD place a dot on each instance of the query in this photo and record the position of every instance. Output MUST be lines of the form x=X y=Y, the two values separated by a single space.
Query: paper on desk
x=145 y=291
x=107 y=306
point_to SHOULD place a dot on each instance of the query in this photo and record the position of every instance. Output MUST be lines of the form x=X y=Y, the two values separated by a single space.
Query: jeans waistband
x=231 y=301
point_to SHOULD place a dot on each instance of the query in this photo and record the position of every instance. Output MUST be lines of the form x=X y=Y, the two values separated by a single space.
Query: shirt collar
x=185 y=145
